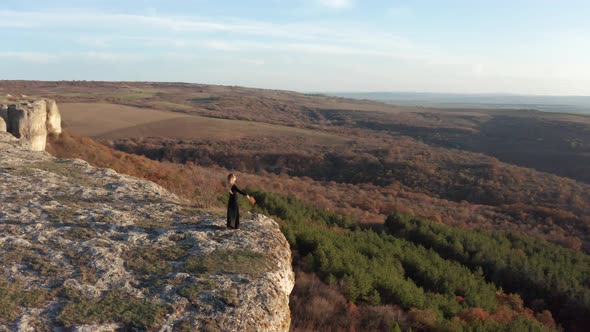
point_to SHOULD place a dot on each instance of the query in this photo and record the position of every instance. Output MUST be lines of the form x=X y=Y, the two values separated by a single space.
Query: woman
x=233 y=208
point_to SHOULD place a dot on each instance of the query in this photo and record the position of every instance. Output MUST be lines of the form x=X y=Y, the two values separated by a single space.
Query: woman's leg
x=231 y=217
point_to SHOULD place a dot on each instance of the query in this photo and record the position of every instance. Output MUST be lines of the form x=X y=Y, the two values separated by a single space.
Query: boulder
x=2 y=125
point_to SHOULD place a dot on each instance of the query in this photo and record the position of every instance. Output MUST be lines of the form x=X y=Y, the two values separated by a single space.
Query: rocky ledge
x=88 y=249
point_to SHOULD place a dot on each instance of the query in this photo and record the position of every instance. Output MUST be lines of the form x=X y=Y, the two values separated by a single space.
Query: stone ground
x=87 y=249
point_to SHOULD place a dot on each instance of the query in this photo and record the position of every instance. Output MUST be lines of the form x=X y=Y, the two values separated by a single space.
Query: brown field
x=112 y=121
x=95 y=120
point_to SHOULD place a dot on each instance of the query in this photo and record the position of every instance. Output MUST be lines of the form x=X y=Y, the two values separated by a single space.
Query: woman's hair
x=228 y=185
x=230 y=176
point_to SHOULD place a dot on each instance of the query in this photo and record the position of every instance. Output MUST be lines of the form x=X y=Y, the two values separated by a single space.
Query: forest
x=445 y=269
x=552 y=206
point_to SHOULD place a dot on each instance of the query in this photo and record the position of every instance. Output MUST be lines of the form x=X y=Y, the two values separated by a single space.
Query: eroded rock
x=31 y=120
x=53 y=117
x=28 y=121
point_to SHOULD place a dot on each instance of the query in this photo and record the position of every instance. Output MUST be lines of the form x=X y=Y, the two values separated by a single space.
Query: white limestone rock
x=29 y=123
x=31 y=120
x=94 y=231
x=53 y=117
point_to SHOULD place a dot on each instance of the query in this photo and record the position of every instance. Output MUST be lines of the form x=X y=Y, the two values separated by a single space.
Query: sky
x=459 y=46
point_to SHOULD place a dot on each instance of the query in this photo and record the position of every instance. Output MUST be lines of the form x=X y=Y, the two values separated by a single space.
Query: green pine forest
x=442 y=278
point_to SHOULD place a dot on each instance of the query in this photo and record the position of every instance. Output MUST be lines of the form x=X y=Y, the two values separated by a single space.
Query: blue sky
x=517 y=46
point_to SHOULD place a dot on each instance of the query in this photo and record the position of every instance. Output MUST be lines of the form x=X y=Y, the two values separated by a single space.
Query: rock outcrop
x=53 y=117
x=89 y=249
x=31 y=120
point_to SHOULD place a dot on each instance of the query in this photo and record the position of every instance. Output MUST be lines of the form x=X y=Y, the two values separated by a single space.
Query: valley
x=484 y=171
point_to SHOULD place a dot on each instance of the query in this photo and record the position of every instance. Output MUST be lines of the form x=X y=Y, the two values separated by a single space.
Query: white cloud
x=478 y=69
x=230 y=35
x=398 y=12
x=220 y=45
x=95 y=41
x=108 y=56
x=43 y=57
x=253 y=62
x=336 y=4
x=36 y=57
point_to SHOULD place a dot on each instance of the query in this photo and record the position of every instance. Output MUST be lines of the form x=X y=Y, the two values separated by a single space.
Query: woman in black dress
x=233 y=208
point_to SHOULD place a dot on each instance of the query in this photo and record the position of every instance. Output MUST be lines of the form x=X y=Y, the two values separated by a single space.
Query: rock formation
x=88 y=249
x=3 y=115
x=53 y=118
x=31 y=120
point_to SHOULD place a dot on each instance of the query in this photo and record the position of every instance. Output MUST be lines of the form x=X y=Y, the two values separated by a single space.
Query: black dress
x=233 y=209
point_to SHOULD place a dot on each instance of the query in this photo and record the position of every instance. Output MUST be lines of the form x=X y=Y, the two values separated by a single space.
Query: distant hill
x=561 y=104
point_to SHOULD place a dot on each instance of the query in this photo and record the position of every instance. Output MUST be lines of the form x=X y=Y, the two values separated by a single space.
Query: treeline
x=380 y=269
x=445 y=173
x=512 y=197
x=545 y=275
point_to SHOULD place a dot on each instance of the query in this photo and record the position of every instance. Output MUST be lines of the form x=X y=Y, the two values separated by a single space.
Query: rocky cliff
x=30 y=120
x=88 y=249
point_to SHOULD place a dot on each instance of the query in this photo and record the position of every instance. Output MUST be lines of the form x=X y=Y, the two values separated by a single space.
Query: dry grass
x=244 y=261
x=13 y=298
x=111 y=121
x=113 y=306
x=95 y=119
x=153 y=262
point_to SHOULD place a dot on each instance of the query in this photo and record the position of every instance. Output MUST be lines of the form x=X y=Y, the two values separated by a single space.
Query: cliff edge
x=89 y=249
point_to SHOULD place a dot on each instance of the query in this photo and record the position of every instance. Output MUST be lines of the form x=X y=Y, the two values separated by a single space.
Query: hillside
x=350 y=277
x=350 y=181
x=89 y=249
x=359 y=157
x=523 y=137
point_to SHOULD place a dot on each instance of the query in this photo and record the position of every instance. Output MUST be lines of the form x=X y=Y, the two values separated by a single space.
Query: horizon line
x=309 y=91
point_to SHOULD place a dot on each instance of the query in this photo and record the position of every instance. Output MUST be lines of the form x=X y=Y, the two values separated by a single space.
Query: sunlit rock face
x=30 y=120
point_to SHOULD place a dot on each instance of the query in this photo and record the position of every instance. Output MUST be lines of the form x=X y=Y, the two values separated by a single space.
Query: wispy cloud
x=109 y=56
x=230 y=34
x=45 y=57
x=35 y=57
x=81 y=19
x=399 y=11
x=336 y=4
x=160 y=34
